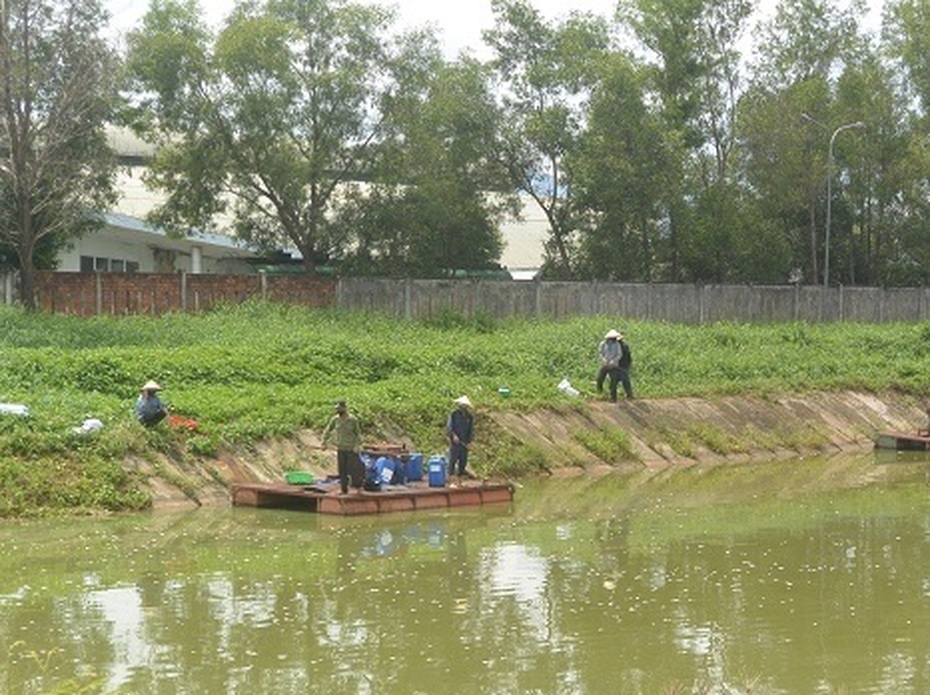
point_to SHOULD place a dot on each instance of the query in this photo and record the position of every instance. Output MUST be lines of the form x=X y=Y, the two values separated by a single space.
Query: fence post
x=538 y=307
x=98 y=293
x=408 y=298
x=263 y=284
x=702 y=297
x=840 y=318
x=183 y=291
x=339 y=292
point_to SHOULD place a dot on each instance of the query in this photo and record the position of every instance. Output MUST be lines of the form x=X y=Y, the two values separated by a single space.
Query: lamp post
x=826 y=246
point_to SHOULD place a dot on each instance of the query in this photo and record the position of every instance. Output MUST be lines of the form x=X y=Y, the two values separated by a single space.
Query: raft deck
x=396 y=498
x=902 y=441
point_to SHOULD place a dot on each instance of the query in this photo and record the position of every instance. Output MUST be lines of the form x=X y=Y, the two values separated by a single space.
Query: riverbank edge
x=580 y=437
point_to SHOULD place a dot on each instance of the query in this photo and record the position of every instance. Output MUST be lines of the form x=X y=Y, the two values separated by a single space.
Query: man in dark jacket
x=460 y=428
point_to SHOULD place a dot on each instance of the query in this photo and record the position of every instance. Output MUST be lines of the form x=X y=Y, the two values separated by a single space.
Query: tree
x=275 y=121
x=546 y=73
x=899 y=222
x=789 y=112
x=621 y=171
x=694 y=75
x=907 y=35
x=56 y=94
x=433 y=204
x=808 y=39
x=875 y=201
x=784 y=164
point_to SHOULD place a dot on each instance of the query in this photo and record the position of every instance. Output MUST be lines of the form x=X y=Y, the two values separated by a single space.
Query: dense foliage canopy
x=655 y=148
x=678 y=140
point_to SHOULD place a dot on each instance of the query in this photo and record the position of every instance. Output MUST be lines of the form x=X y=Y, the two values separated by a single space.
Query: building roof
x=132 y=228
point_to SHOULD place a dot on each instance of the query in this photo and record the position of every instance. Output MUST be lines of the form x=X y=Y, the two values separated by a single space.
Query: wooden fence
x=87 y=294
x=666 y=302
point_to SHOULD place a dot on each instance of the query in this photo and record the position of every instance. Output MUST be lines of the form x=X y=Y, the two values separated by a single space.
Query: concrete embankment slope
x=644 y=433
x=685 y=431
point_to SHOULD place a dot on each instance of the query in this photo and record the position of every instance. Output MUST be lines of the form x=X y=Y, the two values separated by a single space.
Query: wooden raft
x=902 y=441
x=411 y=497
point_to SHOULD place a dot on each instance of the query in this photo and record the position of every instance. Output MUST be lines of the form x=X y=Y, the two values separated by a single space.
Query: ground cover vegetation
x=258 y=371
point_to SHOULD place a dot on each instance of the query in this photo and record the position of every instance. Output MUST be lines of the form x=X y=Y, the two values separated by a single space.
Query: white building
x=127 y=243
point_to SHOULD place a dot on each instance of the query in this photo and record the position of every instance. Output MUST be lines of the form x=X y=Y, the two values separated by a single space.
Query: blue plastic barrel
x=415 y=468
x=436 y=469
x=385 y=467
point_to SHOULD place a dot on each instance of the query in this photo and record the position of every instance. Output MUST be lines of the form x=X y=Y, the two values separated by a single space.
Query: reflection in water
x=120 y=612
x=718 y=580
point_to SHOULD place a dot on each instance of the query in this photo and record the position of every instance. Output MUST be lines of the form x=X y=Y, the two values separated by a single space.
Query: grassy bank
x=256 y=371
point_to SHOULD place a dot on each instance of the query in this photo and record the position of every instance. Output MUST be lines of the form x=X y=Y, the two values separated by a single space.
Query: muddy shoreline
x=661 y=433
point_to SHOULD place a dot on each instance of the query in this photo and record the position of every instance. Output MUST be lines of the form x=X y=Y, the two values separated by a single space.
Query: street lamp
x=826 y=246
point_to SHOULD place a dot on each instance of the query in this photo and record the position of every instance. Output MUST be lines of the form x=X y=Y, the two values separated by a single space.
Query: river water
x=784 y=577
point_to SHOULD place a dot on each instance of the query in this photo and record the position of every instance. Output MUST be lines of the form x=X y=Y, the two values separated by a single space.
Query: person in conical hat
x=149 y=408
x=616 y=361
x=460 y=428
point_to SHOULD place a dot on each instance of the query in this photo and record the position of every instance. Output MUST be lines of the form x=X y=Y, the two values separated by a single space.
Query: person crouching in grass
x=149 y=409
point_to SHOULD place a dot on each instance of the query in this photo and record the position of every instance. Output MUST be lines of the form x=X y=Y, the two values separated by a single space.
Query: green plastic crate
x=299 y=477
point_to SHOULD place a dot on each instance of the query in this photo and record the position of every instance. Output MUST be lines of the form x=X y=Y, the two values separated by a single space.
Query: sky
x=459 y=22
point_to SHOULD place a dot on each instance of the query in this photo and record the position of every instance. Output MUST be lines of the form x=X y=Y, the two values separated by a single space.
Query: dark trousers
x=617 y=375
x=349 y=468
x=152 y=419
x=458 y=456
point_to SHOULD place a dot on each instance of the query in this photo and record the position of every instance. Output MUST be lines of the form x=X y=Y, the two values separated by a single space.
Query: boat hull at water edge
x=902 y=441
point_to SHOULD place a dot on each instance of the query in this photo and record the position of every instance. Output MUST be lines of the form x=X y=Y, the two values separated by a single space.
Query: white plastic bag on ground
x=565 y=386
x=14 y=409
x=89 y=425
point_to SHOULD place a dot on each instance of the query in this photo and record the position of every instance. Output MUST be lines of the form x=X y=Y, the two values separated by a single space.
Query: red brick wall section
x=157 y=293
x=66 y=293
x=206 y=291
x=139 y=293
x=318 y=293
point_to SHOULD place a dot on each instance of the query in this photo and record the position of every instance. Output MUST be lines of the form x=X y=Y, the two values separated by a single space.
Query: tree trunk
x=27 y=279
x=307 y=251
